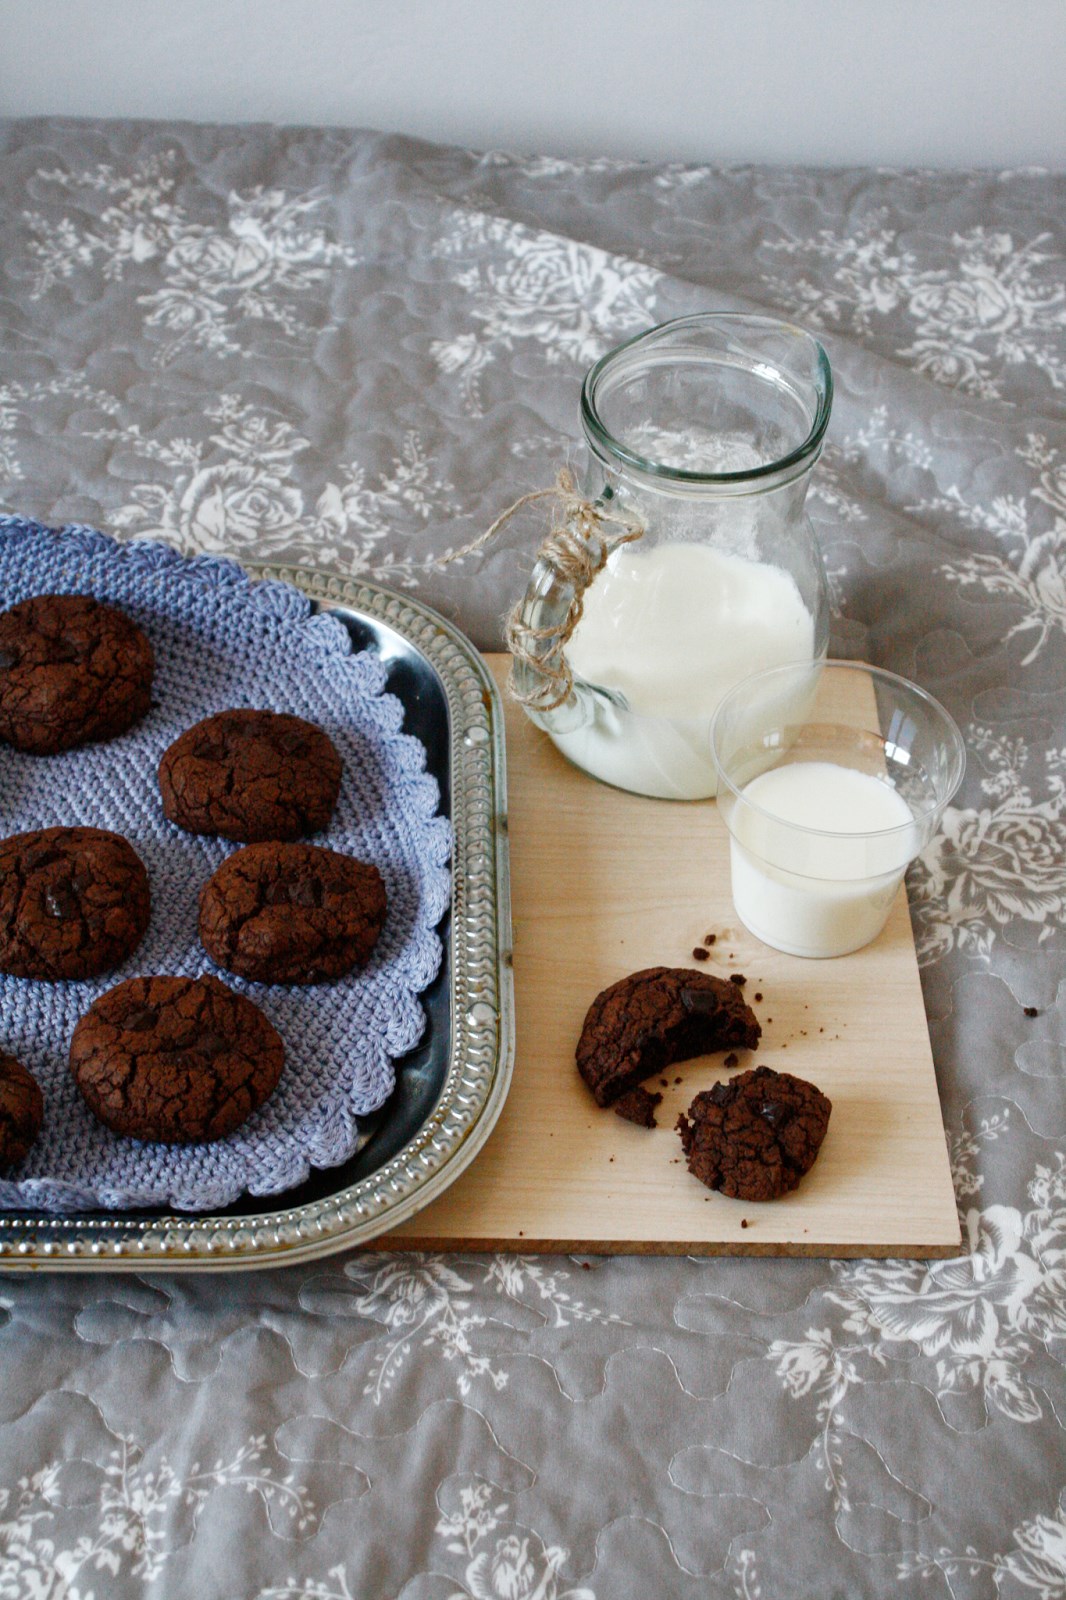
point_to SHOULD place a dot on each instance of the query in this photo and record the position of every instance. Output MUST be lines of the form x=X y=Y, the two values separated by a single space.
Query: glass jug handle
x=540 y=625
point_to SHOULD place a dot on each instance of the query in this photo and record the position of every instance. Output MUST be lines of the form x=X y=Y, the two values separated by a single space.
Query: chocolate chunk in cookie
x=74 y=902
x=21 y=1110
x=72 y=671
x=653 y=1018
x=291 y=913
x=251 y=776
x=755 y=1136
x=176 y=1060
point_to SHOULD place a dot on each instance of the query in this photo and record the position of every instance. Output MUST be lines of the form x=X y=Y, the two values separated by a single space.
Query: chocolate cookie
x=755 y=1136
x=251 y=775
x=21 y=1110
x=72 y=671
x=291 y=913
x=177 y=1060
x=74 y=902
x=653 y=1018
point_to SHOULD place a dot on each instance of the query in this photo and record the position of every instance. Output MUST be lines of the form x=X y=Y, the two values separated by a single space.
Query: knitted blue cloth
x=222 y=641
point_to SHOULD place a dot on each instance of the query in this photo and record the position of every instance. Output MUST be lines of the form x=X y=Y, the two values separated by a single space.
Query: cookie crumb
x=699 y=954
x=731 y=1060
x=1031 y=1011
x=738 y=978
x=638 y=1106
x=758 y=994
x=586 y=1266
x=709 y=939
x=743 y=1222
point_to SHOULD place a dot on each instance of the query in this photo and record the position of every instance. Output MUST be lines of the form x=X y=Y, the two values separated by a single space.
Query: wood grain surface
x=604 y=883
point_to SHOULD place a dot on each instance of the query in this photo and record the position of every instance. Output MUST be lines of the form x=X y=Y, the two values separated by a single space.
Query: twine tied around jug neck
x=583 y=535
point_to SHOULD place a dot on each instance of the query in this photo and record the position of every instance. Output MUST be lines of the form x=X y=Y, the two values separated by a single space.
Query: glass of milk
x=833 y=776
x=703 y=432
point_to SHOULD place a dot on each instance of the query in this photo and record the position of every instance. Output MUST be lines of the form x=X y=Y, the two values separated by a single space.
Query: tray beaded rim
x=481 y=994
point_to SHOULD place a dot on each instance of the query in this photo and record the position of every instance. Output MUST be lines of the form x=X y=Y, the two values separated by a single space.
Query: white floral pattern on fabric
x=422 y=1300
x=978 y=1320
x=1027 y=567
x=1037 y=1561
x=988 y=867
x=254 y=265
x=519 y=1566
x=17 y=399
x=982 y=1316
x=129 y=1524
x=514 y=1566
x=1002 y=305
x=241 y=497
x=571 y=300
x=555 y=166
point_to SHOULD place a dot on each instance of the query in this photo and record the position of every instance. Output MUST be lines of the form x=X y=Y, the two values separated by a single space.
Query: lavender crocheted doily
x=221 y=640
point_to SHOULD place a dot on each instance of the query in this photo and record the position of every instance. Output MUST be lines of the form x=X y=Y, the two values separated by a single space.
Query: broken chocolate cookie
x=291 y=913
x=651 y=1019
x=176 y=1060
x=754 y=1137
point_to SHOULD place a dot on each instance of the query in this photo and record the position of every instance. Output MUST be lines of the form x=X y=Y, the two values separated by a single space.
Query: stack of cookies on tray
x=174 y=1059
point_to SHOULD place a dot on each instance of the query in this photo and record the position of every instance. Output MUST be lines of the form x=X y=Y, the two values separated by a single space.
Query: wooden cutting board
x=604 y=883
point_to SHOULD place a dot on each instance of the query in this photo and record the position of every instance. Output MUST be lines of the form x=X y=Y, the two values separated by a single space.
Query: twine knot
x=577 y=546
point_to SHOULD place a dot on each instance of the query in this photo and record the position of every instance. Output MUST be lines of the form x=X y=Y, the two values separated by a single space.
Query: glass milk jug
x=701 y=434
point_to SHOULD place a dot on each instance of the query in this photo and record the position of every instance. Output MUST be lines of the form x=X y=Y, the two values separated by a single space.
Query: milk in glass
x=817 y=853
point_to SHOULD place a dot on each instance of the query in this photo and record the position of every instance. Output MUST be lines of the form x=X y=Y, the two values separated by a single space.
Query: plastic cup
x=817 y=855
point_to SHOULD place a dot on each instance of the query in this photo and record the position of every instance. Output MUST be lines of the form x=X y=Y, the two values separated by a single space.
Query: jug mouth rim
x=763 y=476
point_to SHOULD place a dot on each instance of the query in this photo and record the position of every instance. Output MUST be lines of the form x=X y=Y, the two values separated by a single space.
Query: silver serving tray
x=451 y=1089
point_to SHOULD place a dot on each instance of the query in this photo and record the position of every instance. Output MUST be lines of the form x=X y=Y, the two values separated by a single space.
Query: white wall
x=931 y=82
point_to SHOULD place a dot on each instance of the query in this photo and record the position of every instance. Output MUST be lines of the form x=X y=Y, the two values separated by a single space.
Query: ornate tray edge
x=482 y=1012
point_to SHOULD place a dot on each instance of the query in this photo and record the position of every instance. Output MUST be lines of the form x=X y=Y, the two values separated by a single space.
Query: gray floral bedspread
x=353 y=350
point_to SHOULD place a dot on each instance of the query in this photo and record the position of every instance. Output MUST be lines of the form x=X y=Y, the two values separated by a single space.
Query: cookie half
x=756 y=1136
x=251 y=776
x=73 y=671
x=291 y=913
x=74 y=902
x=175 y=1060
